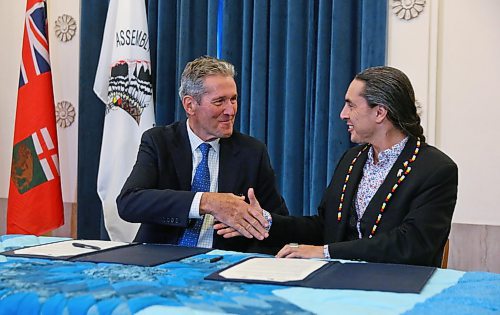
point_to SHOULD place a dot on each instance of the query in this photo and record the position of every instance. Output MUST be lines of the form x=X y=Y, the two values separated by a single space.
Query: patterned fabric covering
x=475 y=293
x=39 y=286
x=59 y=287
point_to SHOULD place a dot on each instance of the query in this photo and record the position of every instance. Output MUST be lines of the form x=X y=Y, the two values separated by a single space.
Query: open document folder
x=66 y=249
x=273 y=269
x=328 y=274
x=108 y=252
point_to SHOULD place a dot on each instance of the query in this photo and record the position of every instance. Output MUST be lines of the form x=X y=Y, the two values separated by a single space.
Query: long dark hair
x=391 y=88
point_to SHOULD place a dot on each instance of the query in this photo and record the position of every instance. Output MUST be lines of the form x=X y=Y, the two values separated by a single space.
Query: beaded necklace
x=402 y=174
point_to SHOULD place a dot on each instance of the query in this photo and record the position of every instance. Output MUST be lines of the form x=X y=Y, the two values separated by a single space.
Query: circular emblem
x=407 y=9
x=65 y=28
x=65 y=114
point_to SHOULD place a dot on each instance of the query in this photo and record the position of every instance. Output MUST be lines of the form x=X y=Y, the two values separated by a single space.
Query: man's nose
x=230 y=108
x=343 y=113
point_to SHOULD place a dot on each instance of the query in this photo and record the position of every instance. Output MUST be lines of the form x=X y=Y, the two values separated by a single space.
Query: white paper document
x=273 y=269
x=68 y=248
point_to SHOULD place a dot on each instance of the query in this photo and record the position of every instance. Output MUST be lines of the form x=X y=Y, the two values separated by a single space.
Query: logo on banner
x=130 y=88
x=32 y=164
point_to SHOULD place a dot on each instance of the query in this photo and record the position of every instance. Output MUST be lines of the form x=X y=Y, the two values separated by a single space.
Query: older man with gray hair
x=195 y=172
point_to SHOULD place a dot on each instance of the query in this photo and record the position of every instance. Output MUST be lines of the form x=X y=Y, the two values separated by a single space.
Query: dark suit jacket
x=158 y=191
x=416 y=222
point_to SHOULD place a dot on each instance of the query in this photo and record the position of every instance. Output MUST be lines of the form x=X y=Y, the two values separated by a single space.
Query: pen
x=86 y=246
x=216 y=259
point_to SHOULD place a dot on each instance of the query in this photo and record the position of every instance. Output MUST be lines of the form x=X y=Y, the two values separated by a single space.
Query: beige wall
x=468 y=126
x=451 y=52
x=11 y=26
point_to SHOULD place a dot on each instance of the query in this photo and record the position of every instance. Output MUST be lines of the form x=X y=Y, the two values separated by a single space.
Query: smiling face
x=213 y=117
x=361 y=119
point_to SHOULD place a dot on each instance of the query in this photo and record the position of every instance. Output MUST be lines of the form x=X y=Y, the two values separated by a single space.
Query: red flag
x=35 y=200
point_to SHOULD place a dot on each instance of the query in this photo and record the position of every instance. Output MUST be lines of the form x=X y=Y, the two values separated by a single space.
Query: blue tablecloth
x=39 y=286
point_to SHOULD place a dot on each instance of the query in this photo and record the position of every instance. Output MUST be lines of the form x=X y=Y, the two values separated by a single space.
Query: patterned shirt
x=373 y=177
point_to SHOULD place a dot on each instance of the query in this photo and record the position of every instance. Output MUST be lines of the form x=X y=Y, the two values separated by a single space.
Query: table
x=39 y=286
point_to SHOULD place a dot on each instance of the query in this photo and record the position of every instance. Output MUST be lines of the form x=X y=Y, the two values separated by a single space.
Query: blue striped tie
x=201 y=182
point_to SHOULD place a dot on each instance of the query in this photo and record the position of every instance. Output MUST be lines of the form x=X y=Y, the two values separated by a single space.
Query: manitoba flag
x=35 y=201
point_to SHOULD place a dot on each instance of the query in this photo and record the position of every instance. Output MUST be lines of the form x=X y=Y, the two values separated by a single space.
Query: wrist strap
x=268 y=217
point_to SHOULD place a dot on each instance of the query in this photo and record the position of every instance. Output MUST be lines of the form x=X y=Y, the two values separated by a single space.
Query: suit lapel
x=228 y=165
x=373 y=208
x=352 y=185
x=182 y=156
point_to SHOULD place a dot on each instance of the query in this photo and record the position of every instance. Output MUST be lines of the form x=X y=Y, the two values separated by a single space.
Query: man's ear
x=381 y=113
x=188 y=102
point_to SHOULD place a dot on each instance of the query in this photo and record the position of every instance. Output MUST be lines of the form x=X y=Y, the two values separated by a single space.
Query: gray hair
x=193 y=76
x=392 y=89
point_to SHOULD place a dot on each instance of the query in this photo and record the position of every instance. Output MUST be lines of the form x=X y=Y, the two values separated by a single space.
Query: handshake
x=235 y=217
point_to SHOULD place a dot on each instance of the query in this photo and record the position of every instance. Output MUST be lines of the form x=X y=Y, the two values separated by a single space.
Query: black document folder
x=128 y=254
x=356 y=276
x=142 y=254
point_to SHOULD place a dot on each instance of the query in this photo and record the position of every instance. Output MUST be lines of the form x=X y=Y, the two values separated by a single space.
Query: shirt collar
x=390 y=154
x=195 y=141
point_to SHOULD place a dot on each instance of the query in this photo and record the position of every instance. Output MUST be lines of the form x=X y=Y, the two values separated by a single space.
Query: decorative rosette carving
x=65 y=114
x=65 y=28
x=407 y=9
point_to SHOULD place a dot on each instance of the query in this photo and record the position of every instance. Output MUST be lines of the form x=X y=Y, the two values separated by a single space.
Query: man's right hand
x=233 y=211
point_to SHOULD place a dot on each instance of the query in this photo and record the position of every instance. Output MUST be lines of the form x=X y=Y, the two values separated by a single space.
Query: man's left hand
x=225 y=231
x=300 y=251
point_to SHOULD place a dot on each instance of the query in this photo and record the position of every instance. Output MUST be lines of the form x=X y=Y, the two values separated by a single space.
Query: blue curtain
x=179 y=32
x=90 y=223
x=295 y=59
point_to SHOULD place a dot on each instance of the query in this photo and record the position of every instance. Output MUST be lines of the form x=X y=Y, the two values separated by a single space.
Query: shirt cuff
x=326 y=251
x=194 y=211
x=269 y=219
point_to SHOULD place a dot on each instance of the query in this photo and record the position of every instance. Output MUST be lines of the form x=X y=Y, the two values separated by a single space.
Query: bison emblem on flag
x=31 y=163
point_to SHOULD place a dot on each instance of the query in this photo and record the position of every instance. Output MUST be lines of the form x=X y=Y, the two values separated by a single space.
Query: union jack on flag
x=35 y=59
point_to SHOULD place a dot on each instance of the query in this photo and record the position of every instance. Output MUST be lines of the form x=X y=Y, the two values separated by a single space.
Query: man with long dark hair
x=391 y=198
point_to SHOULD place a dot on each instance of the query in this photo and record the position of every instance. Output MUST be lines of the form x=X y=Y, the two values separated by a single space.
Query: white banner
x=123 y=83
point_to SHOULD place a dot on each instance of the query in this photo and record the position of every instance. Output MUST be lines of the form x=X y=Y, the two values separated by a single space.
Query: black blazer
x=416 y=222
x=158 y=191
